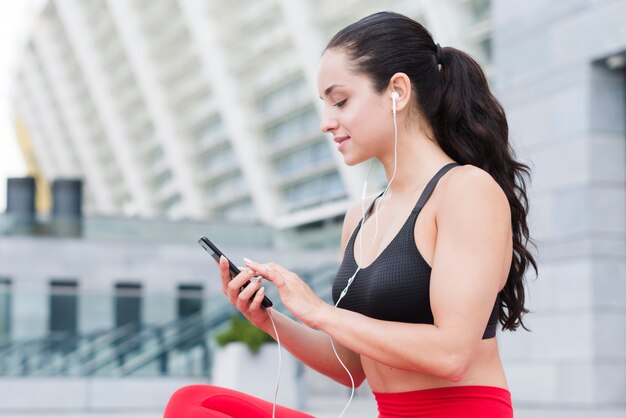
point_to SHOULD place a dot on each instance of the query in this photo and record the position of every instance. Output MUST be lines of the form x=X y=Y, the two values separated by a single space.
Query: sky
x=15 y=20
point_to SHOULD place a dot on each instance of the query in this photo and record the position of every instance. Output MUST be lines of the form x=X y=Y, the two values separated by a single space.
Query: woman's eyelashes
x=341 y=103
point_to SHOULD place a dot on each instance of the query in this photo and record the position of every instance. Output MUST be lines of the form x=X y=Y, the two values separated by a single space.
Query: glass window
x=63 y=319
x=212 y=128
x=171 y=202
x=156 y=155
x=303 y=158
x=190 y=302
x=128 y=305
x=218 y=160
x=190 y=299
x=302 y=124
x=231 y=185
x=5 y=309
x=284 y=98
x=244 y=211
x=313 y=192
x=163 y=178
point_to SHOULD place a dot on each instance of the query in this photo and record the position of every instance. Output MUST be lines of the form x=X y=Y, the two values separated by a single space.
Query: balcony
x=178 y=68
x=168 y=195
x=216 y=202
x=259 y=47
x=156 y=14
x=302 y=174
x=273 y=74
x=182 y=93
x=288 y=108
x=208 y=145
x=171 y=33
x=252 y=13
x=218 y=171
x=196 y=114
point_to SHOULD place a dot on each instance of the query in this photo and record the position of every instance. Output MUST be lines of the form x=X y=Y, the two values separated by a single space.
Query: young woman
x=439 y=257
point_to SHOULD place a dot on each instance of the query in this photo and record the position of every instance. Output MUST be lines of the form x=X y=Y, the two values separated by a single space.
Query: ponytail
x=471 y=128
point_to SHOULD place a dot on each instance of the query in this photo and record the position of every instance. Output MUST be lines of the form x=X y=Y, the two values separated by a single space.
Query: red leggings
x=205 y=401
x=448 y=402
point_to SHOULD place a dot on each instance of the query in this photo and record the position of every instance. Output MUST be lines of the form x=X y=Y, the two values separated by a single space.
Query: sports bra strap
x=431 y=186
x=369 y=209
x=425 y=194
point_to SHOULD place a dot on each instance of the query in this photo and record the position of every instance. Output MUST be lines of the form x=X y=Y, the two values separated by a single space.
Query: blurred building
x=206 y=109
x=559 y=70
x=189 y=109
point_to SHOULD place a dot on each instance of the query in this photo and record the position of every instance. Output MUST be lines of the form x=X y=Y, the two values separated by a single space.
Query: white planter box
x=235 y=367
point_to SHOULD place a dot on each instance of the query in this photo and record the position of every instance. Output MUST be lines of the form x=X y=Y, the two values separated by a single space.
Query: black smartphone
x=216 y=253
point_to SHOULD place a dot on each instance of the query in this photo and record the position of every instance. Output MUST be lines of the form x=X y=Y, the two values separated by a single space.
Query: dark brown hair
x=468 y=122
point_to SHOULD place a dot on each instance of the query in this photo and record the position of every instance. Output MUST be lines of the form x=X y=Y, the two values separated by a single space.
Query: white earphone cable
x=351 y=279
x=363 y=257
x=280 y=361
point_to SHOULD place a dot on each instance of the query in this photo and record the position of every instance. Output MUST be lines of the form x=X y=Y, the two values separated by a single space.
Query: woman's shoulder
x=468 y=187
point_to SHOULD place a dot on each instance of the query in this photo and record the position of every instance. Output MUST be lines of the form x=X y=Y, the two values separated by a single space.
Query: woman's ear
x=401 y=84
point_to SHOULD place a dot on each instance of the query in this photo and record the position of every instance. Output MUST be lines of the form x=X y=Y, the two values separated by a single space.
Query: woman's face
x=359 y=119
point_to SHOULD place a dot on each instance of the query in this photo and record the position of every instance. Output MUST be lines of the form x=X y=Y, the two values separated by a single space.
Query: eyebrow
x=330 y=89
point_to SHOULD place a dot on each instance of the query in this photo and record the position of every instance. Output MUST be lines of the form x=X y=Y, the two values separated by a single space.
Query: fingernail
x=247 y=260
x=222 y=258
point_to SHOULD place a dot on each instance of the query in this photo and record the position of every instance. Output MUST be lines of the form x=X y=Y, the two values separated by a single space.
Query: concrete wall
x=30 y=263
x=74 y=395
x=566 y=110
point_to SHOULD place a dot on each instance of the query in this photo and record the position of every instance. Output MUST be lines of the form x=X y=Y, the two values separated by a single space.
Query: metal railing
x=182 y=347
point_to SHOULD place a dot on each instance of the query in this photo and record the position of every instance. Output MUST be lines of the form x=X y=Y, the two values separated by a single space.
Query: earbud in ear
x=394 y=96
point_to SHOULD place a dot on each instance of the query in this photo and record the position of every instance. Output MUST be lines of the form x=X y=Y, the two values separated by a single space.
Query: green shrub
x=242 y=330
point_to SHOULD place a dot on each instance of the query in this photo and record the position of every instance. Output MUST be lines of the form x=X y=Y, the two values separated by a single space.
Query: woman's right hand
x=251 y=309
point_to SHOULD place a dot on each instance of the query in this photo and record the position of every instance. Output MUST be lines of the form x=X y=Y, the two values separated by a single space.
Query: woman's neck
x=419 y=159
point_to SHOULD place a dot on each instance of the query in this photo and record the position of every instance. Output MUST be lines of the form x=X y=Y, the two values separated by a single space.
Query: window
x=63 y=324
x=243 y=211
x=5 y=308
x=314 y=192
x=302 y=124
x=211 y=130
x=162 y=179
x=304 y=158
x=189 y=299
x=171 y=202
x=284 y=98
x=218 y=161
x=128 y=305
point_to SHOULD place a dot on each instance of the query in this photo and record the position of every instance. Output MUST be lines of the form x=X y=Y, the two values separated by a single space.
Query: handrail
x=133 y=349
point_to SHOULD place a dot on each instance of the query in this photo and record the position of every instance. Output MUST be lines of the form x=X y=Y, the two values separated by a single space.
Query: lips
x=341 y=141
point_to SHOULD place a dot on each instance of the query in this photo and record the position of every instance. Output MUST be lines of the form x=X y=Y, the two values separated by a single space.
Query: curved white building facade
x=194 y=109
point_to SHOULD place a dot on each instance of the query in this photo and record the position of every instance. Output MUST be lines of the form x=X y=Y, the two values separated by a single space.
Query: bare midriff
x=486 y=370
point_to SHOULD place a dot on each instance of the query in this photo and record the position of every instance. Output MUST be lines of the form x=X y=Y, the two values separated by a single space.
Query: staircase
x=180 y=348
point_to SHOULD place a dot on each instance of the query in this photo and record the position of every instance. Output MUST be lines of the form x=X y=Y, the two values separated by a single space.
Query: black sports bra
x=396 y=286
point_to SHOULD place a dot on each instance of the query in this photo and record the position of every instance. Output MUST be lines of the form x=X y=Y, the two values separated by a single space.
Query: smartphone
x=216 y=253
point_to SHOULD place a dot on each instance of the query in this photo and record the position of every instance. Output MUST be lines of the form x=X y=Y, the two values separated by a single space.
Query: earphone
x=394 y=97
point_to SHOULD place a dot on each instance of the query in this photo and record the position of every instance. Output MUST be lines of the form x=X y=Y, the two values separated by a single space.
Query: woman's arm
x=310 y=346
x=313 y=348
x=473 y=222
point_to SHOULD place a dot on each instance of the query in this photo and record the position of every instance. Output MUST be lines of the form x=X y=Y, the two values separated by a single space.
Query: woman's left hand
x=295 y=294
